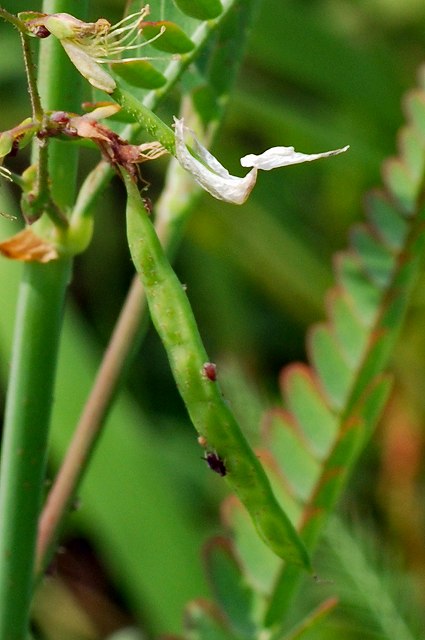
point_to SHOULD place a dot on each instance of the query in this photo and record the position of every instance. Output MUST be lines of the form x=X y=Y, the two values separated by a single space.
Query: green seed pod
x=173 y=318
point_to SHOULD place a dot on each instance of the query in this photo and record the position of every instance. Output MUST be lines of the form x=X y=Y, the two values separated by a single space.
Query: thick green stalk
x=173 y=319
x=10 y=17
x=33 y=365
x=29 y=400
x=60 y=89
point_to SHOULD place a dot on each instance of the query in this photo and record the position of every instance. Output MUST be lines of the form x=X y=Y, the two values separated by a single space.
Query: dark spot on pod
x=209 y=370
x=41 y=32
x=215 y=463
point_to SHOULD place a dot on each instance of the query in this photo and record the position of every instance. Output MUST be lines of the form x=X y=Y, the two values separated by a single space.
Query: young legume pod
x=173 y=318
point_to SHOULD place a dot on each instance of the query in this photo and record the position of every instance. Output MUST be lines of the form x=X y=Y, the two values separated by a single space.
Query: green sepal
x=200 y=9
x=172 y=40
x=139 y=73
x=22 y=134
x=28 y=134
x=26 y=16
x=6 y=143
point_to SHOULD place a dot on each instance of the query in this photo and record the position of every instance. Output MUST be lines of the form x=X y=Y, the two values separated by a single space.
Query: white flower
x=91 y=44
x=214 y=178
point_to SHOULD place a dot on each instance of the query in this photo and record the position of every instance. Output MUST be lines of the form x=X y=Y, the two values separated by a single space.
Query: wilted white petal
x=283 y=156
x=209 y=173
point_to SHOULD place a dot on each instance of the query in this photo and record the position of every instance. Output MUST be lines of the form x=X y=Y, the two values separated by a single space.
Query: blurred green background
x=318 y=74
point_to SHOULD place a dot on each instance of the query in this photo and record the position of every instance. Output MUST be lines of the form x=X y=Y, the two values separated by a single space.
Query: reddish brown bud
x=60 y=117
x=41 y=32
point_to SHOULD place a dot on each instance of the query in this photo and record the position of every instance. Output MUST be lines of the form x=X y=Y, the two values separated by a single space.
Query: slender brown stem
x=90 y=421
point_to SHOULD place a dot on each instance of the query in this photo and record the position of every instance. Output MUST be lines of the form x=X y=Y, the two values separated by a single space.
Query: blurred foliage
x=318 y=74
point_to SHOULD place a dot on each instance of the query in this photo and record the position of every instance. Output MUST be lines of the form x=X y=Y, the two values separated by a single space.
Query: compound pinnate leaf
x=332 y=406
x=334 y=374
x=390 y=227
x=308 y=407
x=412 y=153
x=301 y=470
x=349 y=331
x=377 y=260
x=401 y=185
x=363 y=296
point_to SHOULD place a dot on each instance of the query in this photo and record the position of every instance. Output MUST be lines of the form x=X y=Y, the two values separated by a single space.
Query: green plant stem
x=60 y=89
x=37 y=111
x=45 y=203
x=12 y=19
x=146 y=118
x=30 y=393
x=28 y=406
x=173 y=319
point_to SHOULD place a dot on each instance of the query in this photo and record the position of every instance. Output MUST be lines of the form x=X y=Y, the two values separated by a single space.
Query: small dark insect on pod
x=209 y=370
x=215 y=463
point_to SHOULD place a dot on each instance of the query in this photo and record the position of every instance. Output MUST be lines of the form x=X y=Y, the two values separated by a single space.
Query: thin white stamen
x=142 y=13
x=90 y=45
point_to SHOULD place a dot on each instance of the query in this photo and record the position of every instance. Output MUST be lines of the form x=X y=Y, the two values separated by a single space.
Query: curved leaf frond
x=331 y=406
